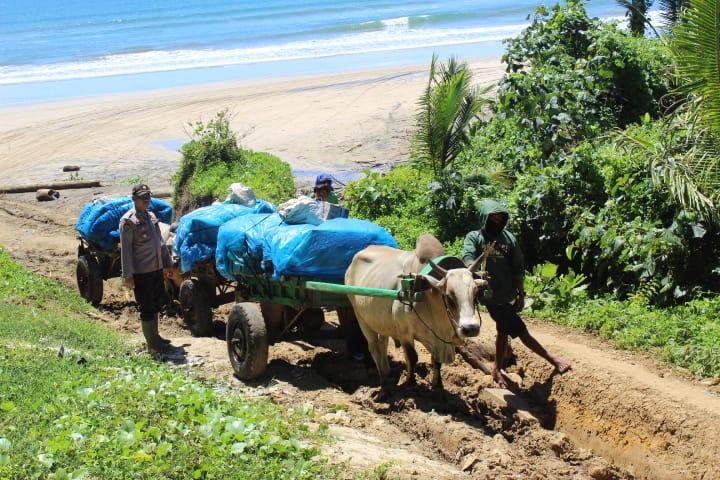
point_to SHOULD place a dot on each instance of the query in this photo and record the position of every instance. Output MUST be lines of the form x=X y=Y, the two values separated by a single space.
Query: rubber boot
x=150 y=332
x=157 y=332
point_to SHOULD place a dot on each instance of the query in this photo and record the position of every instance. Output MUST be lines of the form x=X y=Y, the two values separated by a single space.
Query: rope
x=449 y=316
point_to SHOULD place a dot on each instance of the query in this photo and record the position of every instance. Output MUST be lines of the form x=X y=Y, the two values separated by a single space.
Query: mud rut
x=605 y=419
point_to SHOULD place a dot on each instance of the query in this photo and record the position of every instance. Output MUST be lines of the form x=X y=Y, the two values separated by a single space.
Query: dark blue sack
x=99 y=221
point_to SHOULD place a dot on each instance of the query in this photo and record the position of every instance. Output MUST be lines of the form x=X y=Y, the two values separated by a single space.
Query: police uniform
x=143 y=256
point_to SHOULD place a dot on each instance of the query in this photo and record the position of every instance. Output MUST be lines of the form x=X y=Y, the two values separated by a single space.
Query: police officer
x=144 y=256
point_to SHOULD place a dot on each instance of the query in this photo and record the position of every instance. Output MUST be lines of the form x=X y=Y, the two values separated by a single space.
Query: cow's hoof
x=381 y=395
x=408 y=382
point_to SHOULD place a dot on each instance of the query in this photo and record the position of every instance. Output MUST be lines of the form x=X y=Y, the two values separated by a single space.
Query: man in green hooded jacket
x=506 y=268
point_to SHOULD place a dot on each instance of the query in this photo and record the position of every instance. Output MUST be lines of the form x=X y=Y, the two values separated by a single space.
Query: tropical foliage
x=213 y=159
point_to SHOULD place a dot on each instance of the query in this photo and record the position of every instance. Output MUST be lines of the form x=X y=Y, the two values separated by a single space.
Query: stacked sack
x=197 y=233
x=99 y=221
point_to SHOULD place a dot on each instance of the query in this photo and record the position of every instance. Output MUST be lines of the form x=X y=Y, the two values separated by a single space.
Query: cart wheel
x=197 y=311
x=89 y=279
x=247 y=341
x=312 y=319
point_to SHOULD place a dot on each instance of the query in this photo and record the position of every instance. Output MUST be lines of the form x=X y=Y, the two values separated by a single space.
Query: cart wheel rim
x=239 y=344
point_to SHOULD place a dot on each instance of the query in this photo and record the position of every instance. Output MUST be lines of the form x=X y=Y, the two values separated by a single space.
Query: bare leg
x=436 y=382
x=560 y=365
x=411 y=359
x=501 y=343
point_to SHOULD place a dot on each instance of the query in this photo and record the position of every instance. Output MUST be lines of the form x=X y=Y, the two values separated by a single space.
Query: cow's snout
x=471 y=330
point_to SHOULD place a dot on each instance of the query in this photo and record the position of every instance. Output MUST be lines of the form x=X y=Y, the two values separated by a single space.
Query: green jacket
x=505 y=265
x=332 y=197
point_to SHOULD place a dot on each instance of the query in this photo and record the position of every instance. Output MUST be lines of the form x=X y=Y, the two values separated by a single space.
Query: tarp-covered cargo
x=197 y=232
x=240 y=244
x=99 y=221
x=324 y=251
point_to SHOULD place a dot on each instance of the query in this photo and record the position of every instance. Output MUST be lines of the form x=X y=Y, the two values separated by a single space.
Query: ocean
x=52 y=50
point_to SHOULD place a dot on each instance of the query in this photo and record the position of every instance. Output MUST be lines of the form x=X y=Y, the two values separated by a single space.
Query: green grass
x=99 y=411
x=687 y=335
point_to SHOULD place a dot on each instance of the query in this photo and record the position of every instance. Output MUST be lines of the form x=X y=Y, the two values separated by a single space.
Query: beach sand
x=337 y=123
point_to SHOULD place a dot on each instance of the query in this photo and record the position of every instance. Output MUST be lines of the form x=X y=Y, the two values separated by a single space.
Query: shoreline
x=338 y=122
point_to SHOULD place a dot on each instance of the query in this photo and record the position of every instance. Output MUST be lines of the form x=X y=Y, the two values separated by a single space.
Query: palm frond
x=670 y=10
x=696 y=51
x=445 y=110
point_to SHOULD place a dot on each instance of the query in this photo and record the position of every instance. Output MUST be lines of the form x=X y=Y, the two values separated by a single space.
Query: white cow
x=443 y=319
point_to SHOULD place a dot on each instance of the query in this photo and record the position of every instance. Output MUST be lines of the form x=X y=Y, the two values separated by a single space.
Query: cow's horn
x=474 y=266
x=437 y=267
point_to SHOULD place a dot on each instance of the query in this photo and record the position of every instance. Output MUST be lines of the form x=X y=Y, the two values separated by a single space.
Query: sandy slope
x=337 y=122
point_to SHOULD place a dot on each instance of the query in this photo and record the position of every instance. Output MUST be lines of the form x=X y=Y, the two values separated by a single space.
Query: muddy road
x=616 y=415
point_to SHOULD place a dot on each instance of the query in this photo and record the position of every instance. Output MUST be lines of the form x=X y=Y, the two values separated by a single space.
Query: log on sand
x=53 y=186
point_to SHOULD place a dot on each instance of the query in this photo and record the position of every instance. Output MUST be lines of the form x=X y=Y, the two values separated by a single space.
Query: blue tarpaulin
x=240 y=244
x=197 y=232
x=324 y=251
x=99 y=221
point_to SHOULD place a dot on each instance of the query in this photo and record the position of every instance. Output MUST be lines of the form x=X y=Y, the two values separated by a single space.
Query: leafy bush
x=213 y=159
x=396 y=200
x=547 y=202
x=270 y=178
x=569 y=77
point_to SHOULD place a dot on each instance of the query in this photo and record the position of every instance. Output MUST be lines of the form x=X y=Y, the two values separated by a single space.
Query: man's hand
x=129 y=283
x=519 y=303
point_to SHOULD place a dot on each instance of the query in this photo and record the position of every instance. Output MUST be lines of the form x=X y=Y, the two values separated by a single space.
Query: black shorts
x=149 y=293
x=507 y=320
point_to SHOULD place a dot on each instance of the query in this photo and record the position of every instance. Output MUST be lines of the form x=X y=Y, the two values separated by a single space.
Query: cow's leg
x=411 y=359
x=436 y=382
x=377 y=345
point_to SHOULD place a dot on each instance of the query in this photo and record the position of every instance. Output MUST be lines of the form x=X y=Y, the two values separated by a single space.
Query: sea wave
x=394 y=36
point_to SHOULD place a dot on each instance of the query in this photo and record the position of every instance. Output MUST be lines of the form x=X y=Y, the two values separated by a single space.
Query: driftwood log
x=53 y=186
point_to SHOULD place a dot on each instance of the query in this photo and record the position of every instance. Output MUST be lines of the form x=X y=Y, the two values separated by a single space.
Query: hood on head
x=487 y=208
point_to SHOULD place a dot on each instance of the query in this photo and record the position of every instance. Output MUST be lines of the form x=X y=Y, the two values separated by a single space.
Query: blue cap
x=322 y=179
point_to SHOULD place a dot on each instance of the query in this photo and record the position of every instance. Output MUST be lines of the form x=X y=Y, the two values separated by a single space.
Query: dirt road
x=615 y=415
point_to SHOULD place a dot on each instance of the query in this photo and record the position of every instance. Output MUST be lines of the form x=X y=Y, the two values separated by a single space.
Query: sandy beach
x=340 y=123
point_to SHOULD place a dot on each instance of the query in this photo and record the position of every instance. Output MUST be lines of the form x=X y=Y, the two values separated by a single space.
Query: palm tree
x=671 y=9
x=636 y=14
x=445 y=111
x=694 y=179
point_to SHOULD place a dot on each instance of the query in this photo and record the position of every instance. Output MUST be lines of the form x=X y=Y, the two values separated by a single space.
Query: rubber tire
x=312 y=319
x=197 y=309
x=247 y=326
x=89 y=279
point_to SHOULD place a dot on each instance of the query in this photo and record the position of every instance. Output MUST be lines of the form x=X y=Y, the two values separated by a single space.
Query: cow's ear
x=435 y=283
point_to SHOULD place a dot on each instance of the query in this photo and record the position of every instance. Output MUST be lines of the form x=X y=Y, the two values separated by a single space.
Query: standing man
x=506 y=268
x=144 y=256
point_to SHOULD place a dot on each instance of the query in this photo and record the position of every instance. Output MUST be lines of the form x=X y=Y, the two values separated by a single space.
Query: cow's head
x=459 y=287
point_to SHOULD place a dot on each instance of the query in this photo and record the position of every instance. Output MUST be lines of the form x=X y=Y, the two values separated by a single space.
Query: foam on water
x=397 y=36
